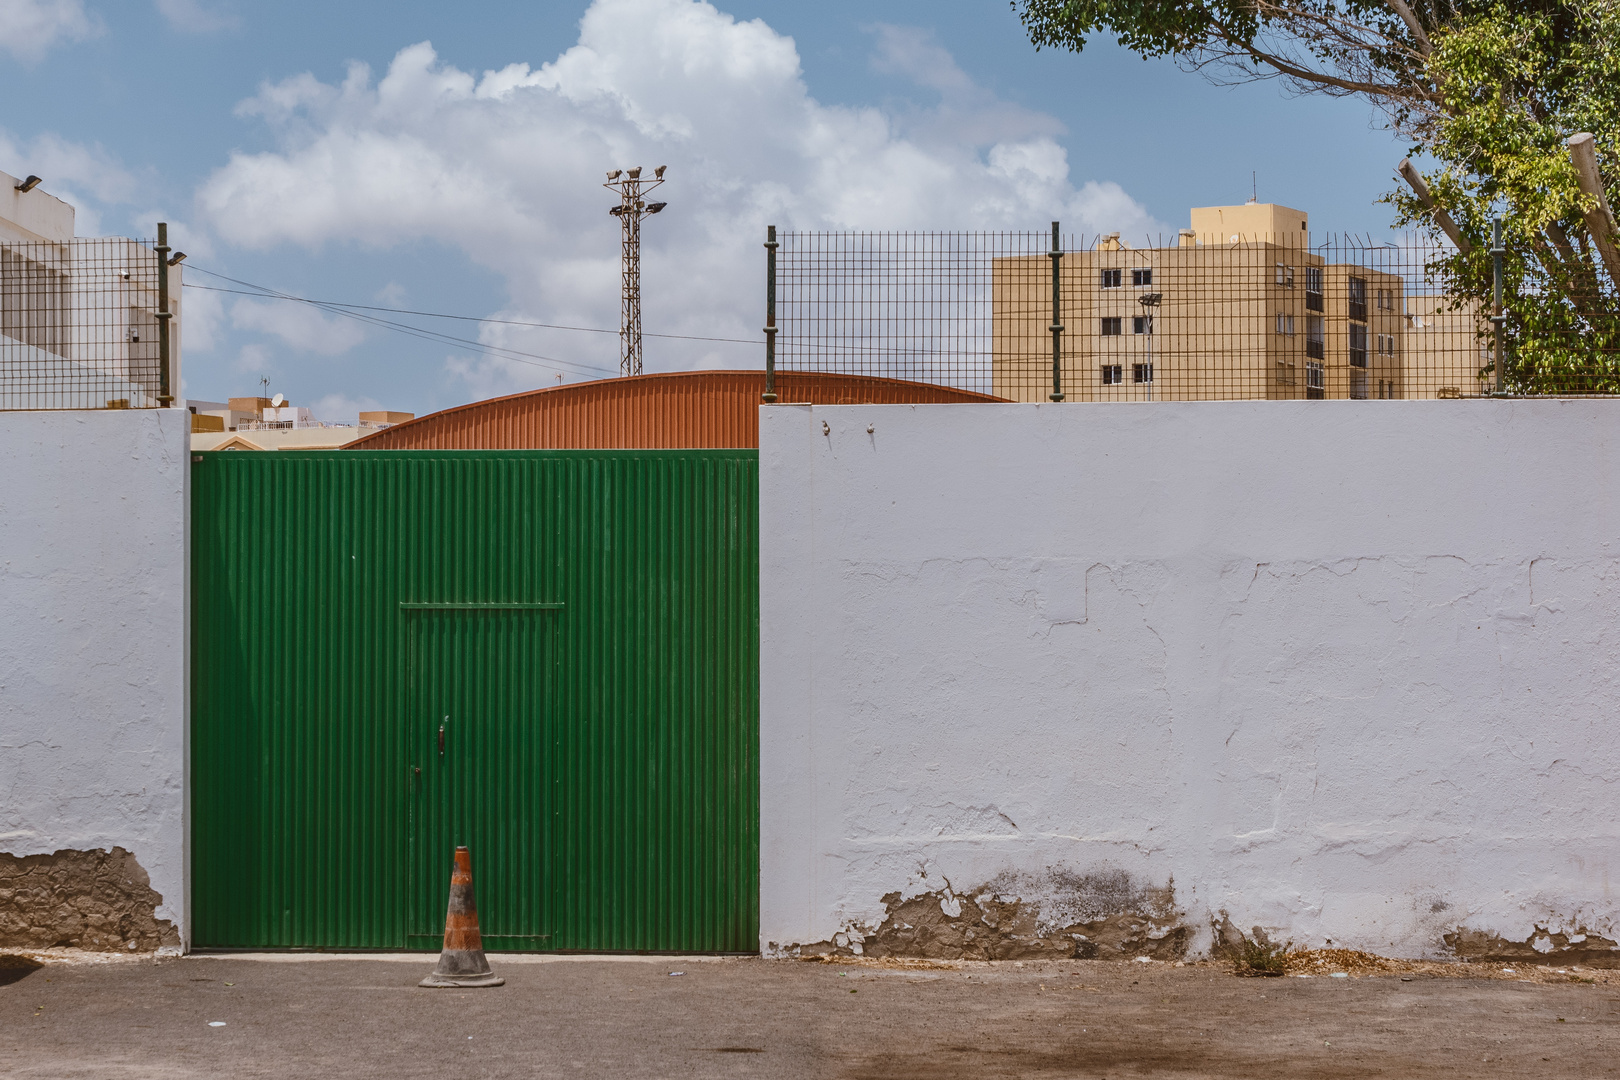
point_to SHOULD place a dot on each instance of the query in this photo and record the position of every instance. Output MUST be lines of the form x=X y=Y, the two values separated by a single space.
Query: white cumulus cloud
x=28 y=28
x=506 y=166
x=341 y=407
x=193 y=17
x=299 y=325
x=86 y=176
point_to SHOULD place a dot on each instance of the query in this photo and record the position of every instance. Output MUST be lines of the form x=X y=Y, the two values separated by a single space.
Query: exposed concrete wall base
x=95 y=900
x=1544 y=946
x=1061 y=915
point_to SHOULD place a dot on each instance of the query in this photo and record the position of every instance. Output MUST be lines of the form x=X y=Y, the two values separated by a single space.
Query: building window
x=1141 y=373
x=1315 y=379
x=1358 y=298
x=1358 y=348
x=1110 y=279
x=1110 y=327
x=1142 y=324
x=1313 y=288
x=1285 y=276
x=1285 y=324
x=1315 y=340
x=1111 y=374
x=1141 y=277
x=1358 y=385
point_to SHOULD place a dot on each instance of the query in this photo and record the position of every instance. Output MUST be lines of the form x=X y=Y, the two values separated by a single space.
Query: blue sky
x=419 y=180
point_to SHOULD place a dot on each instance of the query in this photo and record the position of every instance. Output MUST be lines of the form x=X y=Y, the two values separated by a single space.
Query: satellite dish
x=277 y=400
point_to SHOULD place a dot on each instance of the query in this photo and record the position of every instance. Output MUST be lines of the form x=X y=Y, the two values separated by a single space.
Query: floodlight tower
x=631 y=209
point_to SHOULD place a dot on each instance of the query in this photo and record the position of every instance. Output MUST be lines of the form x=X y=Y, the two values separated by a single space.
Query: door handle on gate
x=441 y=736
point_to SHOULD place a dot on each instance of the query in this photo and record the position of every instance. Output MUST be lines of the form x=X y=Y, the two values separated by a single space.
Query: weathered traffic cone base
x=462 y=961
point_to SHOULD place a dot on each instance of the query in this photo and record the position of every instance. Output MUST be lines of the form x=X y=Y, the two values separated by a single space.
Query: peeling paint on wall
x=1543 y=946
x=1365 y=708
x=93 y=646
x=96 y=900
x=1104 y=914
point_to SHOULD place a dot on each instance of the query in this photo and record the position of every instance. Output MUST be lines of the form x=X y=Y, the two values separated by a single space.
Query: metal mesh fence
x=1189 y=320
x=79 y=325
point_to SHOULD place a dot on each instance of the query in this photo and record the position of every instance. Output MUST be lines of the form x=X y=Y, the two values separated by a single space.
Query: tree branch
x=1321 y=78
x=1409 y=17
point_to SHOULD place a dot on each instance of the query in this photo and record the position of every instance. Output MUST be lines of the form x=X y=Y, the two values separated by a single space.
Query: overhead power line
x=516 y=355
x=358 y=312
x=460 y=318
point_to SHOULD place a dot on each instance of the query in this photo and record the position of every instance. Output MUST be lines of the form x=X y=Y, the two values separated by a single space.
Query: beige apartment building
x=1449 y=348
x=1240 y=308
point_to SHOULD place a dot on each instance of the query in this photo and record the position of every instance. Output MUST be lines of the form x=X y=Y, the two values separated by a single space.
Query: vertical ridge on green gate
x=630 y=582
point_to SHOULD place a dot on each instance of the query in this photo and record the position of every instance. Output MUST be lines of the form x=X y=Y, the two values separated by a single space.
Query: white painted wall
x=1342 y=669
x=93 y=646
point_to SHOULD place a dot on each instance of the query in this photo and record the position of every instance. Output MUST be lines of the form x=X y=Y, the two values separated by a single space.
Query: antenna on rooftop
x=1254 y=187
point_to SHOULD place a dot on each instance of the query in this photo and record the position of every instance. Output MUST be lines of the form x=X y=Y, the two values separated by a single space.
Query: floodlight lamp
x=1150 y=299
x=659 y=172
x=29 y=184
x=179 y=257
x=653 y=208
x=614 y=175
x=635 y=173
x=615 y=210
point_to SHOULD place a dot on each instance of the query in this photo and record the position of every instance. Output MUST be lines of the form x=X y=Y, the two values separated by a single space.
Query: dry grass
x=1362 y=965
x=1257 y=958
x=891 y=962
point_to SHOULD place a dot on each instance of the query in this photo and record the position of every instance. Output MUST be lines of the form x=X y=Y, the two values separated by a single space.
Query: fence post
x=1056 y=255
x=769 y=396
x=1497 y=318
x=165 y=397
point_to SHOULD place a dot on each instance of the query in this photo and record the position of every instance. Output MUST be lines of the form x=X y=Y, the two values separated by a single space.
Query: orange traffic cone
x=462 y=961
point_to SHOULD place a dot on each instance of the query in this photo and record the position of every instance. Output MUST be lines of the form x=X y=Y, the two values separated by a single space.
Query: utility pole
x=632 y=207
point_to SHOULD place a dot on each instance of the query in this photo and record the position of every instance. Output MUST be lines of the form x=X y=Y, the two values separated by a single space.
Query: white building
x=78 y=315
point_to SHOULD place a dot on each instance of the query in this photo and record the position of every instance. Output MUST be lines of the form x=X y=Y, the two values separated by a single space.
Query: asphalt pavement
x=285 y=1016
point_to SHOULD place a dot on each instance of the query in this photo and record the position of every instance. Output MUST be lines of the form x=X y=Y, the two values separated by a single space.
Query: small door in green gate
x=478 y=680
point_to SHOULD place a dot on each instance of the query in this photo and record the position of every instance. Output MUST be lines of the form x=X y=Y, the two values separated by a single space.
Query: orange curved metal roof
x=680 y=411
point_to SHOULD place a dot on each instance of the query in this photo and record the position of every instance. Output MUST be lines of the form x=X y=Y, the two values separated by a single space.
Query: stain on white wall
x=93 y=520
x=1124 y=678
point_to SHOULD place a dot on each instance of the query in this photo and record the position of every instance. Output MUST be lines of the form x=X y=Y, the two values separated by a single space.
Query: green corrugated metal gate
x=550 y=656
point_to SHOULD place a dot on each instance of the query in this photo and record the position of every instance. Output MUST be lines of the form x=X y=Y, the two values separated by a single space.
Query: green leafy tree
x=1489 y=91
x=1375 y=48
x=1515 y=82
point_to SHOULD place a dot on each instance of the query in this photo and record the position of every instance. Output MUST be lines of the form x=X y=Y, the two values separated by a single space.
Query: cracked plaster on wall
x=93 y=649
x=1348 y=706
